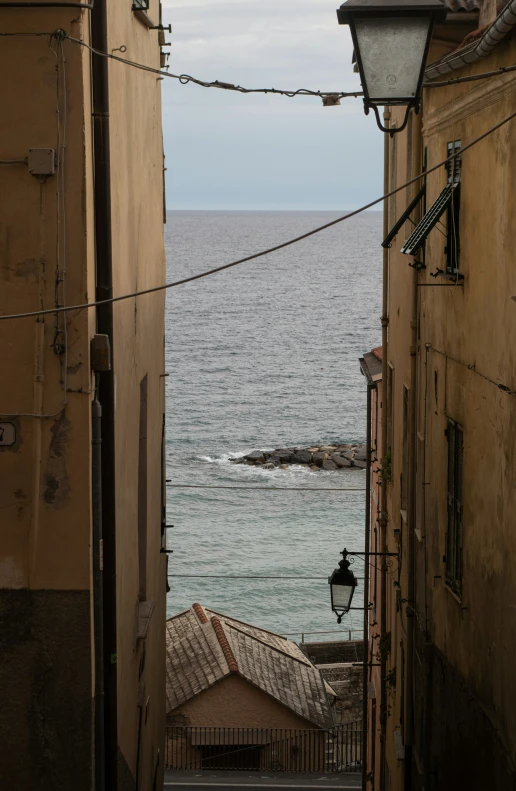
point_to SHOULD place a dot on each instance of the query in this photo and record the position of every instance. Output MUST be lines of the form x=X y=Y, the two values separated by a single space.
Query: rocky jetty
x=316 y=457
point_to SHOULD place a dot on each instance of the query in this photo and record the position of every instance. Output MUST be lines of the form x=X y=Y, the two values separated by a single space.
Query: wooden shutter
x=450 y=530
x=458 y=508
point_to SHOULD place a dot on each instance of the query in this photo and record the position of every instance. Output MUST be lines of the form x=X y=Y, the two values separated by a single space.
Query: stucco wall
x=464 y=683
x=46 y=241
x=46 y=712
x=45 y=531
x=138 y=351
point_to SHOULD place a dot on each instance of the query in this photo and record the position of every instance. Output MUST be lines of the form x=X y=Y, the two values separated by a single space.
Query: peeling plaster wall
x=45 y=628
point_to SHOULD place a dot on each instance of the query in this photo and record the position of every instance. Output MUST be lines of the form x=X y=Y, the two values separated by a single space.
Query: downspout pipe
x=367 y=544
x=98 y=592
x=383 y=489
x=104 y=290
x=501 y=27
x=411 y=513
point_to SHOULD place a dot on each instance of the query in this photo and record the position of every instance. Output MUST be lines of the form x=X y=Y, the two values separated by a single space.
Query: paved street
x=188 y=781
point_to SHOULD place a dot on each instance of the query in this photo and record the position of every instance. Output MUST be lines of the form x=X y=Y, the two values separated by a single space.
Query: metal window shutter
x=454 y=166
x=404 y=217
x=450 y=529
x=431 y=218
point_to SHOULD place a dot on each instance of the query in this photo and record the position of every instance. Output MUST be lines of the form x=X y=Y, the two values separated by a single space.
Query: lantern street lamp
x=343 y=582
x=342 y=585
x=391 y=40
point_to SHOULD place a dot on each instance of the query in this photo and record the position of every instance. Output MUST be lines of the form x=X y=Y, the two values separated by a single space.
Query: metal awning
x=418 y=236
x=404 y=217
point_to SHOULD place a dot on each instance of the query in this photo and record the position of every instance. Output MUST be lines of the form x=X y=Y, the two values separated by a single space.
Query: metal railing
x=265 y=749
x=345 y=634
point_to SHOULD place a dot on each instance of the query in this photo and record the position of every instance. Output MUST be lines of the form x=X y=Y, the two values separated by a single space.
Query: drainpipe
x=104 y=290
x=504 y=23
x=98 y=593
x=366 y=587
x=383 y=489
x=411 y=514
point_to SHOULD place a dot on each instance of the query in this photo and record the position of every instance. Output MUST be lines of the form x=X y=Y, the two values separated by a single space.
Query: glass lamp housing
x=342 y=585
x=391 y=40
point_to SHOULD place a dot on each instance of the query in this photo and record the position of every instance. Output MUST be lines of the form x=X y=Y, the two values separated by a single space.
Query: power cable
x=243 y=577
x=184 y=79
x=262 y=488
x=485 y=75
x=274 y=249
x=503 y=387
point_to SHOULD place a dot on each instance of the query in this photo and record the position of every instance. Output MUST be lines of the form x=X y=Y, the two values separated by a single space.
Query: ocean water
x=266 y=355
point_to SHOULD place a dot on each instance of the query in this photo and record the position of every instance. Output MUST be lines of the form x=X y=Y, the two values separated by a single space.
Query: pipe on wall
x=104 y=290
x=365 y=668
x=412 y=465
x=87 y=6
x=383 y=490
x=503 y=24
x=98 y=591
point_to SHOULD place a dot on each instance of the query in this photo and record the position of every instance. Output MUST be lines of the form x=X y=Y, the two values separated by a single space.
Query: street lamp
x=342 y=585
x=391 y=40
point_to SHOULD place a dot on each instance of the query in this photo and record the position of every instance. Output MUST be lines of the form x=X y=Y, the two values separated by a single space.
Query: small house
x=241 y=696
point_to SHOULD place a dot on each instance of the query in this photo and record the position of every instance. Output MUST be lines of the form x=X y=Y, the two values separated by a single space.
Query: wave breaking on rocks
x=316 y=457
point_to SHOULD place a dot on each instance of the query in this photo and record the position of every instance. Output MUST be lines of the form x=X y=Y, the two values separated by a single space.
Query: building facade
x=440 y=692
x=82 y=571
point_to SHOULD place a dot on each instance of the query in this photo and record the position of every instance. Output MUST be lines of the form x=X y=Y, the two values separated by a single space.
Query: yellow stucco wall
x=138 y=263
x=45 y=530
x=464 y=333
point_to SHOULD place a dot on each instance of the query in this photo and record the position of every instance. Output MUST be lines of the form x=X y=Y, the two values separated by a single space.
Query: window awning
x=435 y=212
x=404 y=217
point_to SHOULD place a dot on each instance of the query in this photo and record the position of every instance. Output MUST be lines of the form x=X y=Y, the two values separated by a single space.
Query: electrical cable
x=274 y=249
x=243 y=577
x=184 y=79
x=504 y=388
x=261 y=488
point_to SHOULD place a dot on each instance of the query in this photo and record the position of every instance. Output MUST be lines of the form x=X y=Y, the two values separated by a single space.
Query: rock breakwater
x=316 y=457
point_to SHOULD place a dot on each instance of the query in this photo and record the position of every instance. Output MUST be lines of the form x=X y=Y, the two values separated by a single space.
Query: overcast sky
x=232 y=151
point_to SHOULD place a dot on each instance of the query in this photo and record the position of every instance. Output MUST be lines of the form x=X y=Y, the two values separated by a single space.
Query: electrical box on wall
x=42 y=161
x=100 y=353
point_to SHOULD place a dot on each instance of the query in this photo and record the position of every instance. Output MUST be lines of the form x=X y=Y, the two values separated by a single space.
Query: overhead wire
x=275 y=248
x=262 y=488
x=184 y=79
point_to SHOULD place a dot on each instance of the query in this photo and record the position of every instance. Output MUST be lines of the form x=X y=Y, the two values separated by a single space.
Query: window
x=404 y=461
x=140 y=5
x=448 y=201
x=454 y=508
x=389 y=408
x=452 y=249
x=142 y=491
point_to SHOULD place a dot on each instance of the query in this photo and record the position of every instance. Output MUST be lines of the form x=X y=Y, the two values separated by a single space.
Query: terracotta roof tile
x=377 y=352
x=224 y=644
x=198 y=610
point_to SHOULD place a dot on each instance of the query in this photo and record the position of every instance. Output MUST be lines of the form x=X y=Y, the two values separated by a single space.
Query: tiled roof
x=467 y=6
x=204 y=647
x=377 y=352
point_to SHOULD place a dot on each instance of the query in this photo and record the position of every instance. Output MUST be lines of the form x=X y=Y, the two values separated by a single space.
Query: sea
x=266 y=355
